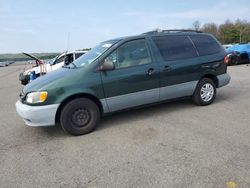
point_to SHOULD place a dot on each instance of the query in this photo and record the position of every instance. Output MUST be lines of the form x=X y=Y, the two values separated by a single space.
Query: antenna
x=68 y=40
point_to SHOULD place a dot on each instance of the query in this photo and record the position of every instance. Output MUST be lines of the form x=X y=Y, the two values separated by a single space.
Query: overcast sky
x=44 y=25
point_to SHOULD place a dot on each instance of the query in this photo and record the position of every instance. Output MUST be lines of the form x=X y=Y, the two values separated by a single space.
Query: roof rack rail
x=171 y=31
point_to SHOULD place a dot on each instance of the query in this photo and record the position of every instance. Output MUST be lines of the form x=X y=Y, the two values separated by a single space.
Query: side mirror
x=51 y=63
x=107 y=65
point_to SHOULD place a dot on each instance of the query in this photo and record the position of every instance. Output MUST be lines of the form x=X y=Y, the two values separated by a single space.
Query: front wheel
x=205 y=92
x=79 y=116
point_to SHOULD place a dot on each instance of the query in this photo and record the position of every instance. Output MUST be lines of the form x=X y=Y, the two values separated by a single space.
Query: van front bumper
x=37 y=116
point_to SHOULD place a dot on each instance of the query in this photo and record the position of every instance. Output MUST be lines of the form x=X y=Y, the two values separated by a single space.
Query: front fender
x=66 y=93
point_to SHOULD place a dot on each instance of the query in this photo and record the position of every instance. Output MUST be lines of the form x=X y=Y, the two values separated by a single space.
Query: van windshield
x=93 y=54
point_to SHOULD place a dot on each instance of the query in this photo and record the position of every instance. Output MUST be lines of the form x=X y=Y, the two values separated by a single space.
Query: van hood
x=39 y=83
x=32 y=56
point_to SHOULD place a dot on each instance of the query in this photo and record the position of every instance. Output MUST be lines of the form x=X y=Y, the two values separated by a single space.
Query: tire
x=24 y=82
x=24 y=79
x=79 y=116
x=233 y=60
x=205 y=85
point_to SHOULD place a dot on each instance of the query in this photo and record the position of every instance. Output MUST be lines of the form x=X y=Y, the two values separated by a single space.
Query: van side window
x=206 y=45
x=175 y=47
x=130 y=54
x=61 y=59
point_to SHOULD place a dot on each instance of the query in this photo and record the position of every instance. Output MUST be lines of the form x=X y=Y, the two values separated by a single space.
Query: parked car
x=6 y=63
x=239 y=54
x=54 y=64
x=227 y=45
x=125 y=73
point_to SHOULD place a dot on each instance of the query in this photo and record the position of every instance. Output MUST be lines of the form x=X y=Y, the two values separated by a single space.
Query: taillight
x=227 y=59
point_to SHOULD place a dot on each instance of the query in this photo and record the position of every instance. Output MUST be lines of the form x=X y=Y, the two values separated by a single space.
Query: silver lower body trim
x=130 y=100
x=121 y=102
x=178 y=90
x=223 y=79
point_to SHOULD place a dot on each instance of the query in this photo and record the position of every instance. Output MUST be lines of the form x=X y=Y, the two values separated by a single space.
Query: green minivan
x=124 y=73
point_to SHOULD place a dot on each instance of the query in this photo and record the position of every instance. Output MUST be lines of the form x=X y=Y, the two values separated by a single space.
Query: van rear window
x=206 y=45
x=175 y=47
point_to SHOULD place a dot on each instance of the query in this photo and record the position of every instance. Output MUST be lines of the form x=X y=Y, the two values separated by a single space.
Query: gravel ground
x=169 y=145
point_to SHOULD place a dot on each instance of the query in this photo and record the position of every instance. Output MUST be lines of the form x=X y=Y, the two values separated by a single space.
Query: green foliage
x=229 y=32
x=22 y=57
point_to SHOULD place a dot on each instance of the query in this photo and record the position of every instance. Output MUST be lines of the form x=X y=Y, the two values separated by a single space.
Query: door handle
x=167 y=68
x=150 y=72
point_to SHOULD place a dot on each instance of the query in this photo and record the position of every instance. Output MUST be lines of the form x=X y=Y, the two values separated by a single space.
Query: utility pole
x=240 y=36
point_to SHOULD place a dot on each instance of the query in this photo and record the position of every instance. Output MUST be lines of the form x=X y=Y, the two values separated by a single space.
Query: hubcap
x=81 y=117
x=207 y=92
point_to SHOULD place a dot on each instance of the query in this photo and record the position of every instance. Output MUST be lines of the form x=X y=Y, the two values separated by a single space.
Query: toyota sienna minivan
x=124 y=73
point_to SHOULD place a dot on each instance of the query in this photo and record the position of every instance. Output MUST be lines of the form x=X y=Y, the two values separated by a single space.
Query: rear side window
x=206 y=45
x=175 y=47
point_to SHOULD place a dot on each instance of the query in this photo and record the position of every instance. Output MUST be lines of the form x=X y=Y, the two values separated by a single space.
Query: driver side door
x=135 y=79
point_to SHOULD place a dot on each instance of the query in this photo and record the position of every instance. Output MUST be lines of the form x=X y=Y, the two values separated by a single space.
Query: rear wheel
x=234 y=59
x=205 y=92
x=79 y=116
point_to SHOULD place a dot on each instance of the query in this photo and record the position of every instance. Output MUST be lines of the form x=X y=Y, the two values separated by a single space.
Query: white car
x=227 y=45
x=41 y=67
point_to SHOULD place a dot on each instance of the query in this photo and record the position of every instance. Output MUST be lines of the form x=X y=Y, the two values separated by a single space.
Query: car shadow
x=132 y=115
x=117 y=118
x=54 y=131
x=145 y=112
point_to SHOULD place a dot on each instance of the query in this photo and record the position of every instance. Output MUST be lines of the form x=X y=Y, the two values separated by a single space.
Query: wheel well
x=244 y=55
x=212 y=77
x=80 y=95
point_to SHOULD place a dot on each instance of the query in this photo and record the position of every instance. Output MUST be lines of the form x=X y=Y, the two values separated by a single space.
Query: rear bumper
x=223 y=79
x=37 y=116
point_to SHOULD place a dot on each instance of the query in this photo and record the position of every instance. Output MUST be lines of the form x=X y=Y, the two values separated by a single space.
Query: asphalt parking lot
x=169 y=145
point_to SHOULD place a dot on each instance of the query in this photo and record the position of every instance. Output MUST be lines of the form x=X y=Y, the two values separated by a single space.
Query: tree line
x=227 y=33
x=22 y=57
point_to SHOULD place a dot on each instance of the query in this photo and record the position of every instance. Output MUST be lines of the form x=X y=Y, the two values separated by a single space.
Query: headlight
x=37 y=97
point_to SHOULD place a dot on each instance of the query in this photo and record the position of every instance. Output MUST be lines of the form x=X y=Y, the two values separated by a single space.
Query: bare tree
x=211 y=28
x=229 y=32
x=196 y=25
